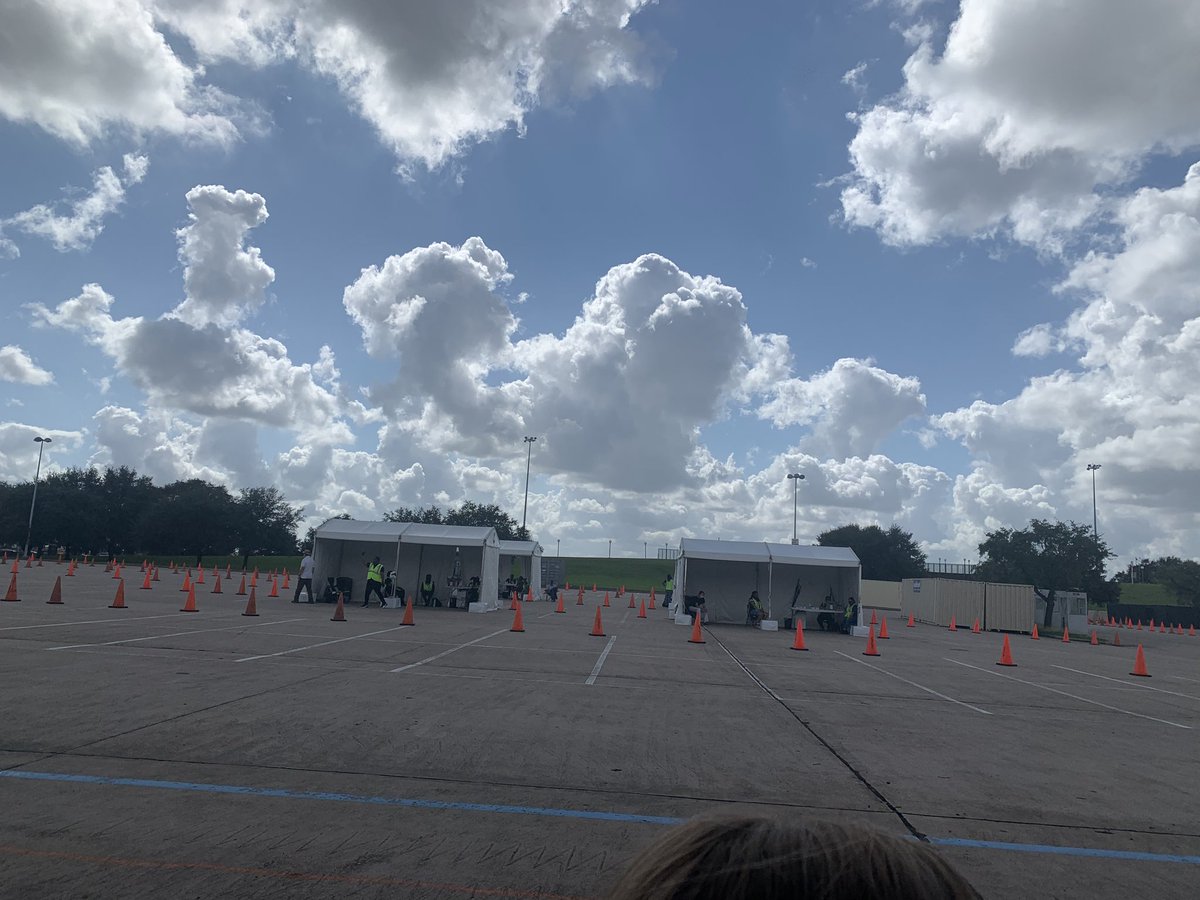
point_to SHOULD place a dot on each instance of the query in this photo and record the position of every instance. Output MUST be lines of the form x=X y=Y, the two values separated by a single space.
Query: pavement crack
x=876 y=792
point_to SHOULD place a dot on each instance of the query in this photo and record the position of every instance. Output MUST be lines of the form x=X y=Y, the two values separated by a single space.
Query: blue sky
x=906 y=248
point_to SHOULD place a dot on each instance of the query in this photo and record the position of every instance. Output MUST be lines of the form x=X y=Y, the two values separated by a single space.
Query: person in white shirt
x=304 y=582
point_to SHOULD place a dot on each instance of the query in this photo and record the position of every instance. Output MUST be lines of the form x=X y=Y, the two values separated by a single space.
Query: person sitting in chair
x=694 y=605
x=427 y=589
x=754 y=610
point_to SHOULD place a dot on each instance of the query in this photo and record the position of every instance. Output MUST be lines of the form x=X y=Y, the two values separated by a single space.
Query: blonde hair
x=759 y=858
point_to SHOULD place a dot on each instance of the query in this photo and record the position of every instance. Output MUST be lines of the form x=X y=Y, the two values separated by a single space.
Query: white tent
x=523 y=558
x=343 y=548
x=727 y=571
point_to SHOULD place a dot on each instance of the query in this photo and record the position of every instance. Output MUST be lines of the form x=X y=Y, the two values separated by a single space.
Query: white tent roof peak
x=735 y=551
x=448 y=535
x=521 y=548
x=800 y=555
x=355 y=530
x=762 y=551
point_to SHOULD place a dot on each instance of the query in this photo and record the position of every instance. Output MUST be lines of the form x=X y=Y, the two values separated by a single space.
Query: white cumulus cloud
x=18 y=366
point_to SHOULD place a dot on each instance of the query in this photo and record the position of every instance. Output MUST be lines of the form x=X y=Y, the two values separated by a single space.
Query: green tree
x=1051 y=556
x=266 y=523
x=470 y=513
x=885 y=555
x=70 y=510
x=126 y=496
x=1180 y=576
x=192 y=518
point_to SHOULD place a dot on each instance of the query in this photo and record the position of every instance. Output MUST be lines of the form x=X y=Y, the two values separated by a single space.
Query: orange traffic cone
x=606 y=603
x=155 y=576
x=912 y=622
x=200 y=575
x=1034 y=635
x=559 y=607
x=287 y=580
x=251 y=606
x=241 y=591
x=56 y=592
x=953 y=624
x=1160 y=628
x=29 y=562
x=1066 y=638
x=579 y=599
x=697 y=634
x=228 y=570
x=187 y=582
x=1191 y=631
x=518 y=620
x=597 y=626
x=339 y=614
x=1095 y=640
x=529 y=595
x=408 y=613
x=872 y=649
x=1006 y=654
x=190 y=605
x=632 y=605
x=39 y=565
x=975 y=629
x=11 y=595
x=642 y=610
x=15 y=566
x=512 y=603
x=119 y=600
x=274 y=588
x=116 y=571
x=1139 y=664
x=593 y=587
x=798 y=643
x=146 y=582
x=651 y=606
x=883 y=635
x=874 y=618
x=217 y=584
x=107 y=566
x=1151 y=623
x=1117 y=639
x=71 y=569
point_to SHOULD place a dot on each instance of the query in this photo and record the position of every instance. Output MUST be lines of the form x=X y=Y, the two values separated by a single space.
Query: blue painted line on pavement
x=285 y=794
x=1067 y=851
x=414 y=803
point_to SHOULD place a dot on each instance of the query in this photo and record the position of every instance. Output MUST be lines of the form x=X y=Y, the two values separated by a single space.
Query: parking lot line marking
x=591 y=679
x=155 y=637
x=913 y=683
x=114 y=620
x=1067 y=851
x=1144 y=687
x=1065 y=694
x=430 y=659
x=285 y=794
x=353 y=637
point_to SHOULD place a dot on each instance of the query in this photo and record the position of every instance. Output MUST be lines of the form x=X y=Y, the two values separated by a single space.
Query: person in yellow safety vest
x=668 y=589
x=850 y=616
x=374 y=582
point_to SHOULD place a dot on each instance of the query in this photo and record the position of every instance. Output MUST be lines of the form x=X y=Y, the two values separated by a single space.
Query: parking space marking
x=436 y=656
x=155 y=637
x=912 y=683
x=353 y=637
x=113 y=620
x=1065 y=694
x=1130 y=684
x=591 y=679
x=1053 y=850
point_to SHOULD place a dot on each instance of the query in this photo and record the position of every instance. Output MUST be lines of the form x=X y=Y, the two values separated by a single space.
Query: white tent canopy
x=343 y=548
x=784 y=575
x=524 y=558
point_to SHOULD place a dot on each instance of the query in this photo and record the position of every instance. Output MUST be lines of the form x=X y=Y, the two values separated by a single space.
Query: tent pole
x=770 y=583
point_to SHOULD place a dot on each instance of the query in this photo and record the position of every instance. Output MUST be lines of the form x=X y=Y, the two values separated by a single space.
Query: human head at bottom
x=760 y=858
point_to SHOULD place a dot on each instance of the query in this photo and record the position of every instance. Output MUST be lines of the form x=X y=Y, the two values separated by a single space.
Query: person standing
x=304 y=582
x=374 y=582
x=668 y=589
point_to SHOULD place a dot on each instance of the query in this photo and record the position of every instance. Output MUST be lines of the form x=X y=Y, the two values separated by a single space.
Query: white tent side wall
x=489 y=581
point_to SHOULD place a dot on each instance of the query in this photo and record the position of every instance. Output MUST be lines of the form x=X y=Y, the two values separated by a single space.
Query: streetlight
x=528 y=455
x=645 y=550
x=795 y=479
x=1092 y=467
x=610 y=548
x=558 y=547
x=41 y=442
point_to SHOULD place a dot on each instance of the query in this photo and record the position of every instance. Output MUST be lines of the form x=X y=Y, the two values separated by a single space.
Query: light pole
x=558 y=547
x=610 y=548
x=41 y=442
x=795 y=479
x=645 y=550
x=528 y=456
x=1092 y=467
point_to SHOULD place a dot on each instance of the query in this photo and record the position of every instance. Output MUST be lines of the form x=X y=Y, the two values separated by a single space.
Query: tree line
x=120 y=512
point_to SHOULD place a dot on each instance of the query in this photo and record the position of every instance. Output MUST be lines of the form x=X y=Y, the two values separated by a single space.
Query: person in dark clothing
x=374 y=582
x=427 y=589
x=693 y=605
